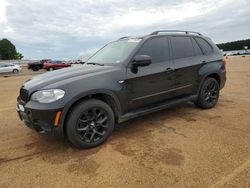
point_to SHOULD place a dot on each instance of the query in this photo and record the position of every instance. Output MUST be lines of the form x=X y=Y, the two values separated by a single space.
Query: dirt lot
x=179 y=147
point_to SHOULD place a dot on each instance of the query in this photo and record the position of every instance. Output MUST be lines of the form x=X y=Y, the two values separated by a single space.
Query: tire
x=50 y=69
x=36 y=68
x=209 y=94
x=15 y=71
x=89 y=123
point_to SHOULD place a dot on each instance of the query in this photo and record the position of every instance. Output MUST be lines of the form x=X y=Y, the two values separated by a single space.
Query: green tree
x=8 y=50
x=18 y=56
x=235 y=45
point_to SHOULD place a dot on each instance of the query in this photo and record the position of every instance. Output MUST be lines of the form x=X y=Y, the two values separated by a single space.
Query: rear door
x=153 y=83
x=187 y=58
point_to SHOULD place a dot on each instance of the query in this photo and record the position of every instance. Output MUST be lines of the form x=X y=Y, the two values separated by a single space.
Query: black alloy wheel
x=209 y=94
x=90 y=123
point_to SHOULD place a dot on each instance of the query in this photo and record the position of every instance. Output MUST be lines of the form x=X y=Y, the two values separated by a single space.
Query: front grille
x=24 y=95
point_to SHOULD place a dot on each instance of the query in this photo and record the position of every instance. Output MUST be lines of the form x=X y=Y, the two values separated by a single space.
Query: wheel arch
x=214 y=75
x=15 y=69
x=106 y=96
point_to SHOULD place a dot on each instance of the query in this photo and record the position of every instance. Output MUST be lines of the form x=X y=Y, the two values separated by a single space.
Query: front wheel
x=90 y=123
x=209 y=94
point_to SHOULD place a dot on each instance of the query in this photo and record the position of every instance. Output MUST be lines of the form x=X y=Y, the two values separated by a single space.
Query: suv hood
x=48 y=78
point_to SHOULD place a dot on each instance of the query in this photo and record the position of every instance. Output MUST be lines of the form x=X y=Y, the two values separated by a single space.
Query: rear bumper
x=223 y=79
x=40 y=120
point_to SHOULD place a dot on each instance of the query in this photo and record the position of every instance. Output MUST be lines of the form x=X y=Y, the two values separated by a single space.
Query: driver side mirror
x=141 y=61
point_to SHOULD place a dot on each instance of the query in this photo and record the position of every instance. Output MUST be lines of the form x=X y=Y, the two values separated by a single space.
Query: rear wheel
x=90 y=123
x=209 y=94
x=15 y=71
x=50 y=69
x=35 y=68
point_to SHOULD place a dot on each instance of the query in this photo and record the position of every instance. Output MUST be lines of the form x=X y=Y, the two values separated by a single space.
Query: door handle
x=169 y=70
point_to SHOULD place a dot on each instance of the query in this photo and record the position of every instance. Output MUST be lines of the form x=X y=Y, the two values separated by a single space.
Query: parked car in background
x=36 y=66
x=53 y=65
x=77 y=62
x=9 y=67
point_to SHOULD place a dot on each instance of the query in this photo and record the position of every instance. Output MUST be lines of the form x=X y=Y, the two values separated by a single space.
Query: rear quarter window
x=197 y=49
x=206 y=47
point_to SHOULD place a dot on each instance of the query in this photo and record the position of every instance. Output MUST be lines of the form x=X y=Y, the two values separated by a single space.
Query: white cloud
x=4 y=27
x=72 y=28
x=3 y=5
x=87 y=53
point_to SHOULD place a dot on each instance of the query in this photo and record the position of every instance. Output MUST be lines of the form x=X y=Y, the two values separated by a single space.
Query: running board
x=154 y=108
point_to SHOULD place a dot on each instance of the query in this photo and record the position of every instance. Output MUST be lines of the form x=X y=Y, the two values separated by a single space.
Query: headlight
x=47 y=96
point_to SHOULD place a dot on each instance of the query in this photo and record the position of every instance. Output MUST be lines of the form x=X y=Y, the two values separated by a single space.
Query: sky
x=70 y=29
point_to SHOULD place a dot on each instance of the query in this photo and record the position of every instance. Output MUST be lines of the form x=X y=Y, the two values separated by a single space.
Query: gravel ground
x=178 y=147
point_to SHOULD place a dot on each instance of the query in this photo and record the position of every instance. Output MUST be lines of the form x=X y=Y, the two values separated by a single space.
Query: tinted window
x=182 y=47
x=157 y=49
x=207 y=49
x=197 y=49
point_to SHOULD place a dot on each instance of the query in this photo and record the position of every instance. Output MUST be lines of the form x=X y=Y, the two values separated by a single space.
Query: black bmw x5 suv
x=129 y=77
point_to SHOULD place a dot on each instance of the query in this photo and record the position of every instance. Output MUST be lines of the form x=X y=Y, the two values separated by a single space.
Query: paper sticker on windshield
x=134 y=40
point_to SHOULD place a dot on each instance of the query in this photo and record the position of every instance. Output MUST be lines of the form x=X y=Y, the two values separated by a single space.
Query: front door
x=153 y=83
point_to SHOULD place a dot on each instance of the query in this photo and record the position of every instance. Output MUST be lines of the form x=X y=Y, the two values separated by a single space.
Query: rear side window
x=197 y=49
x=206 y=47
x=182 y=47
x=157 y=49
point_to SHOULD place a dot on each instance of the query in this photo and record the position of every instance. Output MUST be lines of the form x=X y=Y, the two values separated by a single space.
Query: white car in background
x=9 y=67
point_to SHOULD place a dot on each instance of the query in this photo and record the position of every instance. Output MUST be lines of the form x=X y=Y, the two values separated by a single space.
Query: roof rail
x=123 y=38
x=174 y=31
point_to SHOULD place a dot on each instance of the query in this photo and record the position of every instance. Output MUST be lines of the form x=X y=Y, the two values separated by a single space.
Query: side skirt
x=154 y=108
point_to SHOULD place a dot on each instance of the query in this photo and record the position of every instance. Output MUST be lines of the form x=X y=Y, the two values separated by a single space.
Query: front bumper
x=39 y=119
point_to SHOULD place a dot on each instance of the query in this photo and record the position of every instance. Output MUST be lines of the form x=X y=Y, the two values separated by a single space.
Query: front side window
x=182 y=47
x=156 y=48
x=114 y=52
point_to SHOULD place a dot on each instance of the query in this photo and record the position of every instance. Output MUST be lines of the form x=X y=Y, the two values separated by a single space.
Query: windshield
x=114 y=52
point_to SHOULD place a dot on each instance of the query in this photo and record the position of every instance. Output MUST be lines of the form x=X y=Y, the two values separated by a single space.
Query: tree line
x=235 y=45
x=8 y=51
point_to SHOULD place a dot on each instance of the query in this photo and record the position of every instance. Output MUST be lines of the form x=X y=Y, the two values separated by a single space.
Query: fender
x=213 y=68
x=68 y=106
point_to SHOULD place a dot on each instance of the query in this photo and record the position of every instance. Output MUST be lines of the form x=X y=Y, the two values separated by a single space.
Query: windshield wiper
x=93 y=63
